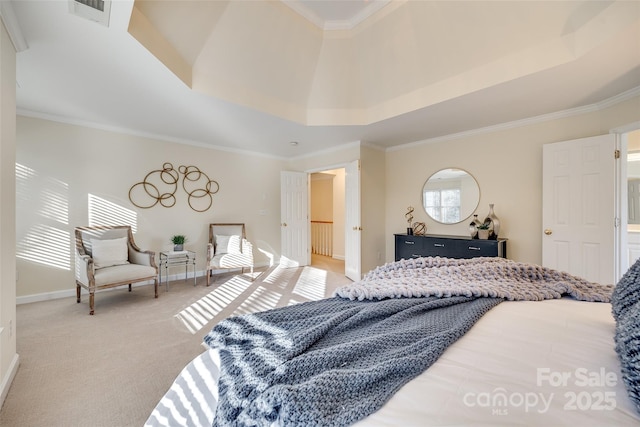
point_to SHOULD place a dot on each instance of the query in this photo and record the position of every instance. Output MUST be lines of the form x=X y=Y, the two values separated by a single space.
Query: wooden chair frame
x=85 y=266
x=241 y=261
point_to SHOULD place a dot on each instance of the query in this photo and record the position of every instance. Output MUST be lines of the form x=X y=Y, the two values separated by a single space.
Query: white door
x=578 y=207
x=294 y=219
x=353 y=227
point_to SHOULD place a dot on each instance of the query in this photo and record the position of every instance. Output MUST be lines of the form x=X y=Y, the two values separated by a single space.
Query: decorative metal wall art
x=161 y=185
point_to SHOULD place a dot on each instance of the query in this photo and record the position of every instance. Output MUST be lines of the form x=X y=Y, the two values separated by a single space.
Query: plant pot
x=178 y=248
x=483 y=234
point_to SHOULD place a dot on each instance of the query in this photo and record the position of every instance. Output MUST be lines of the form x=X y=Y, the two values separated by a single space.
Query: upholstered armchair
x=228 y=248
x=107 y=256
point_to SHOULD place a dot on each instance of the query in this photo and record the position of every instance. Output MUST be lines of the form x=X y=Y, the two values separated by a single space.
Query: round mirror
x=450 y=195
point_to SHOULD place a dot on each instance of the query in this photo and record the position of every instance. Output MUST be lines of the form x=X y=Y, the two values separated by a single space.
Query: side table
x=176 y=258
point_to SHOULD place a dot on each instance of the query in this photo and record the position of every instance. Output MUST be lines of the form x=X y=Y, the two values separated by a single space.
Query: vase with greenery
x=178 y=242
x=483 y=230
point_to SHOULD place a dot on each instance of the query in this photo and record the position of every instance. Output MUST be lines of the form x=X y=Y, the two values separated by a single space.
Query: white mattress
x=548 y=363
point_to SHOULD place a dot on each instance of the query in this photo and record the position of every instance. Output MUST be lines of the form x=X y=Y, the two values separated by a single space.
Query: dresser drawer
x=438 y=246
x=447 y=246
x=477 y=248
x=409 y=247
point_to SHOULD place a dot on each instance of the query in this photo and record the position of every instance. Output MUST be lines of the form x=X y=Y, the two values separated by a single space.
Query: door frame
x=620 y=238
x=342 y=165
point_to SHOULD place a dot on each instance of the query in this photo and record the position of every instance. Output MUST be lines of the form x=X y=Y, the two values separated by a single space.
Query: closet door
x=294 y=219
x=353 y=226
x=578 y=207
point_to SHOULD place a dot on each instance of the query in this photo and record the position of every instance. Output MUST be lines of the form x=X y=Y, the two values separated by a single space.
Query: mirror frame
x=463 y=215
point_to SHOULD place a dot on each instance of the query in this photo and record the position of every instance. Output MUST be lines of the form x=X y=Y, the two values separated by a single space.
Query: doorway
x=327 y=218
x=630 y=197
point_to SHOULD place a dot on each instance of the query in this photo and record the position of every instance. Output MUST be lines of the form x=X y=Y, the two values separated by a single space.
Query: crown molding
x=148 y=135
x=624 y=96
x=13 y=27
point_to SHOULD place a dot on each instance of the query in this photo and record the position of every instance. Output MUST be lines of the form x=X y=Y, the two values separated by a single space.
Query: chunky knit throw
x=331 y=362
x=479 y=277
x=335 y=361
x=625 y=307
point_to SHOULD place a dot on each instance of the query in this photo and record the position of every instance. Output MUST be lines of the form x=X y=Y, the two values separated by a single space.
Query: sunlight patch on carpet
x=238 y=296
x=312 y=283
x=280 y=276
x=198 y=314
x=260 y=300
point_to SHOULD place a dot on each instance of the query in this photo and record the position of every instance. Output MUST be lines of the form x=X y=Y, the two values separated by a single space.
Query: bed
x=563 y=355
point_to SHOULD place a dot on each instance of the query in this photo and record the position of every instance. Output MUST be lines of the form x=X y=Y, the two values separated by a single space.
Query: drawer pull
x=439 y=245
x=409 y=243
x=474 y=248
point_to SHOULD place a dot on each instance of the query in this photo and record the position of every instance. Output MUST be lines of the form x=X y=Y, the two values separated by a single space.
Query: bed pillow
x=627 y=291
x=627 y=340
x=227 y=244
x=107 y=253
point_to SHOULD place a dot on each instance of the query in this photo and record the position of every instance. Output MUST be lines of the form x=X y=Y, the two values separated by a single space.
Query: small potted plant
x=178 y=242
x=483 y=231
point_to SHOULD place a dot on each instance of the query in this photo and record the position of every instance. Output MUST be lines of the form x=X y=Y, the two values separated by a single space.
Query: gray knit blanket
x=477 y=277
x=335 y=361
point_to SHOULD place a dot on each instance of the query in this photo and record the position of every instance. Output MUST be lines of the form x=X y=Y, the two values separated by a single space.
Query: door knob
x=284 y=224
x=548 y=231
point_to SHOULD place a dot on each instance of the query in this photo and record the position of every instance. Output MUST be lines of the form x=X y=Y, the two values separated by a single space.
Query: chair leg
x=77 y=293
x=208 y=276
x=91 y=299
x=155 y=287
x=129 y=287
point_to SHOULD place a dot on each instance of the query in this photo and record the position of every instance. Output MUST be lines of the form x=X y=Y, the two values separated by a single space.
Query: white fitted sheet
x=552 y=362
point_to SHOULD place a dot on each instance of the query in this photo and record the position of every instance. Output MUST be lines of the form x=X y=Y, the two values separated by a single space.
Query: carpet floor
x=112 y=368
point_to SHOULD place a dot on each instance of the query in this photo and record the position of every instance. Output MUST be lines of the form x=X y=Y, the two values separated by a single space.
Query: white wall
x=73 y=162
x=321 y=196
x=66 y=168
x=8 y=356
x=507 y=163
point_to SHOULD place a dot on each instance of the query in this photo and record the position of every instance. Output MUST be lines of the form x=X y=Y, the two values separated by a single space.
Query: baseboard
x=340 y=257
x=8 y=379
x=67 y=293
x=46 y=296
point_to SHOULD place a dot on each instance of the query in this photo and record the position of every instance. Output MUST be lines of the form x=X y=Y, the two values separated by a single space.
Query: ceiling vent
x=94 y=10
